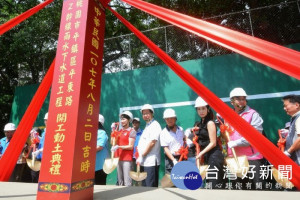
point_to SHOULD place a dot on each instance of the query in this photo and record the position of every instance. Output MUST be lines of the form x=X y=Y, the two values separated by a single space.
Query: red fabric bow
x=183 y=151
x=281 y=142
x=224 y=128
x=34 y=141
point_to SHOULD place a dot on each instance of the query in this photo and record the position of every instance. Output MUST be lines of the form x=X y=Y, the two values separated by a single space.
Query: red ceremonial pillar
x=68 y=163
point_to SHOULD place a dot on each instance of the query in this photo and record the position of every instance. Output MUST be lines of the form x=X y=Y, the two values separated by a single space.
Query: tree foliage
x=128 y=52
x=27 y=50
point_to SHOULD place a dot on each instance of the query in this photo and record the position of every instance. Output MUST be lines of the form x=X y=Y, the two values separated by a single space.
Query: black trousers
x=152 y=176
x=35 y=176
x=215 y=159
x=169 y=164
x=100 y=177
x=21 y=173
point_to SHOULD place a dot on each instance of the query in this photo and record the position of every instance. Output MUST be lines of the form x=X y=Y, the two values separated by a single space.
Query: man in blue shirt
x=136 y=126
x=17 y=174
x=9 y=130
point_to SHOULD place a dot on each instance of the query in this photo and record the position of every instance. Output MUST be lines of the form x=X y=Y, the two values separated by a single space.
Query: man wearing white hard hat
x=171 y=139
x=17 y=174
x=238 y=99
x=124 y=149
x=149 y=147
x=101 y=154
x=9 y=130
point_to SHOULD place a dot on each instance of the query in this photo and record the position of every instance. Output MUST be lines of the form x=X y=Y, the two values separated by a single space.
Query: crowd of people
x=206 y=145
x=26 y=170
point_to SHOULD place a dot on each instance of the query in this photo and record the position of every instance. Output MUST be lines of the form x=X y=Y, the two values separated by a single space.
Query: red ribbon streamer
x=195 y=140
x=255 y=138
x=14 y=149
x=35 y=141
x=278 y=57
x=224 y=128
x=115 y=134
x=15 y=21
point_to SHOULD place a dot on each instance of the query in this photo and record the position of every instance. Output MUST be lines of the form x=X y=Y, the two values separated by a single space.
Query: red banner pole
x=68 y=162
x=15 y=21
x=275 y=56
x=14 y=149
x=255 y=138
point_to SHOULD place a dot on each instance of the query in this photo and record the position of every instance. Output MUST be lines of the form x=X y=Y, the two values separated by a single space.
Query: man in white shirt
x=171 y=139
x=291 y=105
x=149 y=147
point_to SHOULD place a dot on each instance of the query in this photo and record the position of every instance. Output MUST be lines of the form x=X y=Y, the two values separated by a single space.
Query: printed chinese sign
x=68 y=163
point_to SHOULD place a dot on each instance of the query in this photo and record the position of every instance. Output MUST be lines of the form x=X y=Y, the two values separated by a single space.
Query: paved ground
x=27 y=191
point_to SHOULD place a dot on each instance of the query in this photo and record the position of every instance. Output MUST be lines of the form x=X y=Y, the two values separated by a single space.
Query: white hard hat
x=9 y=127
x=237 y=92
x=46 y=116
x=129 y=114
x=168 y=113
x=101 y=119
x=136 y=119
x=200 y=102
x=147 y=107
